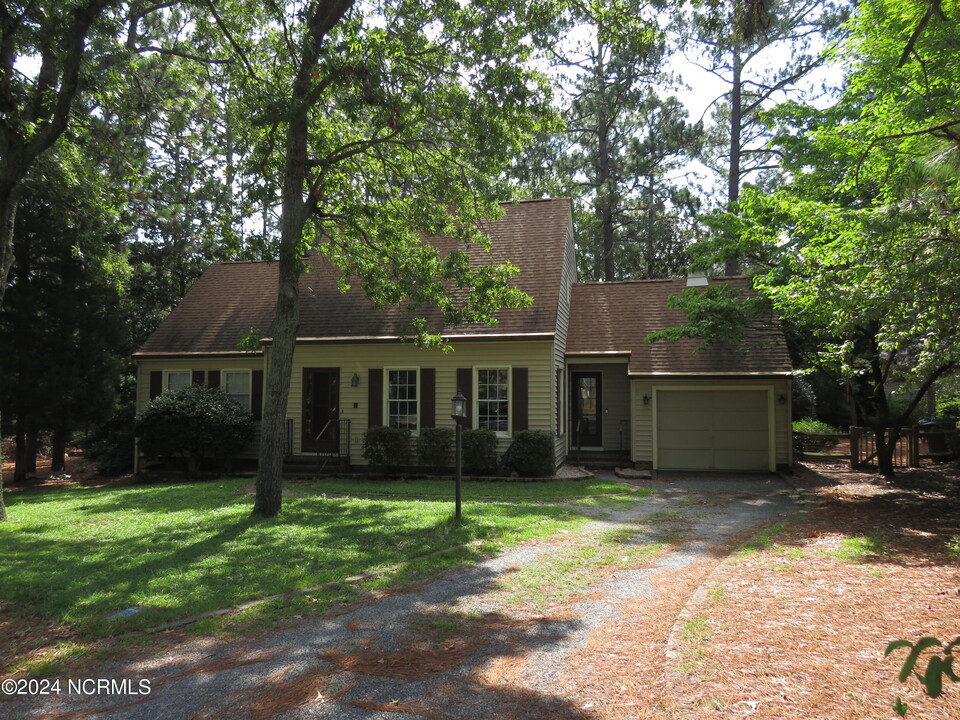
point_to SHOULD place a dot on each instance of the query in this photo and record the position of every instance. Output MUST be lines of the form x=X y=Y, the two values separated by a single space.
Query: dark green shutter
x=197 y=377
x=256 y=394
x=374 y=397
x=428 y=397
x=213 y=378
x=520 y=382
x=156 y=383
x=465 y=386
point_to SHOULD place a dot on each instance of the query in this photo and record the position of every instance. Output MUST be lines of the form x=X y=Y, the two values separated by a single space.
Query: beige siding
x=614 y=400
x=642 y=415
x=145 y=367
x=567 y=278
x=536 y=356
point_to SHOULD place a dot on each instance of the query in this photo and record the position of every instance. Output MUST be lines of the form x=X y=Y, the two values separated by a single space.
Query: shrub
x=531 y=454
x=197 y=422
x=479 y=452
x=803 y=443
x=111 y=445
x=815 y=427
x=387 y=447
x=435 y=447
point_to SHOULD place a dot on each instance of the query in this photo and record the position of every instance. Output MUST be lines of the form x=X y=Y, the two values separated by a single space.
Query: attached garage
x=714 y=429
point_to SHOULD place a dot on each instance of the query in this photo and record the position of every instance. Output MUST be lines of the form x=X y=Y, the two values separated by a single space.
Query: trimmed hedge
x=197 y=422
x=435 y=447
x=479 y=452
x=387 y=447
x=531 y=454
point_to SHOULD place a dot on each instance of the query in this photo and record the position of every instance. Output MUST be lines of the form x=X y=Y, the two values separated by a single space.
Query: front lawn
x=78 y=555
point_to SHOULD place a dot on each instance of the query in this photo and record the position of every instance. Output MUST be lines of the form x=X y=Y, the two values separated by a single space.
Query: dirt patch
x=77 y=471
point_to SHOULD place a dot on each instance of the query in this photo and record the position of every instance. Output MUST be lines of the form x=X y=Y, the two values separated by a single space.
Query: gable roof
x=230 y=299
x=614 y=318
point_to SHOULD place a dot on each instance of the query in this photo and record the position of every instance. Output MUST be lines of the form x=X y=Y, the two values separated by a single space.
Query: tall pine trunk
x=732 y=265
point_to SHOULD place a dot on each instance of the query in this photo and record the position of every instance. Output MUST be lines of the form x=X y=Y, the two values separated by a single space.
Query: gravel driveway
x=495 y=640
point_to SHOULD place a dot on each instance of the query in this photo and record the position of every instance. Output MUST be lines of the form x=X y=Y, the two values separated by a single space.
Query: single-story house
x=575 y=363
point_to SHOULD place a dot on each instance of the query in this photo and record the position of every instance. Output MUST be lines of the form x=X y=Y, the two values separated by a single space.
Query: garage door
x=713 y=430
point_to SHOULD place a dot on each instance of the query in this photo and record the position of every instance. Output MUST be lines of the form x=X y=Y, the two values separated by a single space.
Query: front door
x=585 y=394
x=321 y=410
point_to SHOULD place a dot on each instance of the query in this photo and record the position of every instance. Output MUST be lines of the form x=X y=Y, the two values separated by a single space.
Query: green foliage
x=112 y=444
x=815 y=427
x=387 y=447
x=717 y=313
x=939 y=666
x=531 y=454
x=953 y=547
x=435 y=447
x=198 y=422
x=479 y=452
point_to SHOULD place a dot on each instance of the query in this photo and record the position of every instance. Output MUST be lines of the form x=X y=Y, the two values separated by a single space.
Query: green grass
x=552 y=490
x=860 y=548
x=76 y=555
x=556 y=577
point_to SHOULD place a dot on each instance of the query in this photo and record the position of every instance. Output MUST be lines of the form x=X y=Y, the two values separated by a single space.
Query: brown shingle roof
x=230 y=299
x=615 y=317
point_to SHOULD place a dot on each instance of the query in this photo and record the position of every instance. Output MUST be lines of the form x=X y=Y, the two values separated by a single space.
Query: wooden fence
x=863 y=447
x=858 y=447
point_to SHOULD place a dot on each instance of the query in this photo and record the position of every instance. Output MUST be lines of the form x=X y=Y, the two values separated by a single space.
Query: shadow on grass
x=414 y=653
x=179 y=550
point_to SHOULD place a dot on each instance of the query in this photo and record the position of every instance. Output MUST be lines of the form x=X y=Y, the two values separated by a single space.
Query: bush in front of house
x=435 y=447
x=479 y=452
x=197 y=422
x=111 y=445
x=531 y=454
x=387 y=447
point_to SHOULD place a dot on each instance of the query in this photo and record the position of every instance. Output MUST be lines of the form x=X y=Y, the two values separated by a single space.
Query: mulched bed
x=799 y=629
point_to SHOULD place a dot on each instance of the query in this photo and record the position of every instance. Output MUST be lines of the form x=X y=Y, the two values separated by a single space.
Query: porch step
x=306 y=466
x=599 y=460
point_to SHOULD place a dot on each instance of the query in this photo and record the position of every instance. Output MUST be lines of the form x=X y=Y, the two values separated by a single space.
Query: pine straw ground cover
x=797 y=623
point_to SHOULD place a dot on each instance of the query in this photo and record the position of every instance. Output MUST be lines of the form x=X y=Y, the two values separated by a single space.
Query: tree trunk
x=8 y=215
x=886 y=447
x=604 y=187
x=20 y=456
x=33 y=449
x=732 y=265
x=58 y=450
x=322 y=17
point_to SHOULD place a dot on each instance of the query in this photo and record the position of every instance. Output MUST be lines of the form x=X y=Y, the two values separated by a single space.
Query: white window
x=493 y=399
x=177 y=380
x=236 y=384
x=402 y=399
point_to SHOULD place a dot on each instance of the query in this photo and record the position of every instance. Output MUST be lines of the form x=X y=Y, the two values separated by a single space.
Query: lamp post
x=458 y=411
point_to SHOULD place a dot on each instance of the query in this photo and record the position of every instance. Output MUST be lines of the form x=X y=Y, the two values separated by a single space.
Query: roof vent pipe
x=697 y=279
